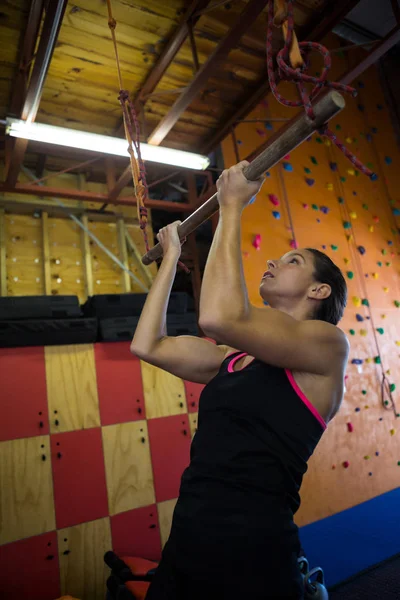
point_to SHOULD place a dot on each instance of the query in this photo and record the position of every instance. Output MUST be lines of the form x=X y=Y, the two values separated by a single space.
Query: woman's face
x=288 y=277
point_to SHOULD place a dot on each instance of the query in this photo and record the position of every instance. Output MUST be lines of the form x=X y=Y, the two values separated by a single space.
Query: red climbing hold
x=349 y=427
x=257 y=241
x=346 y=464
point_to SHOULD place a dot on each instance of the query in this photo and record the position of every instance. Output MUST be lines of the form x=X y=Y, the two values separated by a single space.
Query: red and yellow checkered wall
x=93 y=446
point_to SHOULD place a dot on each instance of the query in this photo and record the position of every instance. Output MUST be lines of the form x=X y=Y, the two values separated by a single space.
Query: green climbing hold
x=334 y=247
x=365 y=302
x=314 y=206
x=318 y=140
x=350 y=274
x=352 y=332
x=364 y=392
x=307 y=170
x=392 y=387
x=379 y=263
x=370 y=166
x=341 y=200
x=338 y=128
x=365 y=206
x=313 y=160
x=386 y=402
x=377 y=360
x=398 y=463
x=380 y=330
x=347 y=224
x=388 y=264
x=384 y=251
x=343 y=179
x=397 y=303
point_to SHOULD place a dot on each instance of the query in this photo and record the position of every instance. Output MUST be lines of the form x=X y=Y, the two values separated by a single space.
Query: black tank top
x=256 y=432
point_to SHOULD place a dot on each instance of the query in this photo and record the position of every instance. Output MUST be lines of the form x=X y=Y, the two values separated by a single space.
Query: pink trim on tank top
x=304 y=398
x=292 y=381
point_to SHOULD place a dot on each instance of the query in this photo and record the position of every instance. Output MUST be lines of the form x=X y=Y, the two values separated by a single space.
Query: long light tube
x=105 y=144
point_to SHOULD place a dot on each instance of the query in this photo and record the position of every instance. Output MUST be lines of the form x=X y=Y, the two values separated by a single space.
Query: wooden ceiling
x=81 y=86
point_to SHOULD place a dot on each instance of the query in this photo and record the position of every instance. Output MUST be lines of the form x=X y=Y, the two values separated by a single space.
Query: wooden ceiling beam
x=31 y=99
x=170 y=51
x=321 y=25
x=210 y=68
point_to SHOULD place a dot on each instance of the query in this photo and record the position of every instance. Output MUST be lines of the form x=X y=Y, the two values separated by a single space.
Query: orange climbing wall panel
x=369 y=206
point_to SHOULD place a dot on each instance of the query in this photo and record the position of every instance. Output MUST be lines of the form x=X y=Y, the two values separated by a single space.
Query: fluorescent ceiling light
x=105 y=144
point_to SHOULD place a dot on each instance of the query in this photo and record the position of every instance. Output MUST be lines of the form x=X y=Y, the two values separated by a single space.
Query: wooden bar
x=3 y=263
x=290 y=136
x=46 y=254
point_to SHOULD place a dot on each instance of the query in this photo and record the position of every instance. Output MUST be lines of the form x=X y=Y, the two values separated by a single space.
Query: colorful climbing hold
x=324 y=209
x=329 y=186
x=341 y=200
x=273 y=199
x=385 y=289
x=261 y=132
x=352 y=332
x=368 y=137
x=307 y=170
x=346 y=261
x=293 y=244
x=361 y=107
x=377 y=360
x=327 y=142
x=287 y=167
x=350 y=171
x=349 y=140
x=334 y=247
x=392 y=387
x=356 y=301
x=268 y=125
x=346 y=224
x=357 y=361
x=338 y=127
x=363 y=332
x=349 y=427
x=361 y=250
x=380 y=330
x=318 y=140
x=309 y=181
x=343 y=179
x=350 y=274
x=364 y=392
x=314 y=206
x=365 y=302
x=239 y=142
x=353 y=215
x=305 y=205
x=392 y=431
x=276 y=214
x=397 y=303
x=365 y=206
x=375 y=275
x=359 y=318
x=371 y=228
x=333 y=166
x=374 y=129
x=346 y=464
x=257 y=241
x=267 y=174
x=313 y=160
x=388 y=160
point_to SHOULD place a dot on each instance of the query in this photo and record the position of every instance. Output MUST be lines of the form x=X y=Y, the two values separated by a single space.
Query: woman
x=273 y=382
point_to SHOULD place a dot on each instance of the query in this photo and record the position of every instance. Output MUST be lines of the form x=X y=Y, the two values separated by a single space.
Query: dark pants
x=251 y=574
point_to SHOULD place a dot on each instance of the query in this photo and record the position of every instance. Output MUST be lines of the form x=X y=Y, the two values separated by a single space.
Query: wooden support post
x=87 y=258
x=290 y=136
x=46 y=254
x=123 y=255
x=3 y=264
x=145 y=270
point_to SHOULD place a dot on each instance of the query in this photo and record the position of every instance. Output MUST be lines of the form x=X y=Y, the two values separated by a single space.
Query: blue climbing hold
x=396 y=212
x=388 y=160
x=266 y=303
x=374 y=177
x=361 y=250
x=324 y=247
x=288 y=167
x=239 y=142
x=324 y=209
x=267 y=174
x=359 y=318
x=357 y=361
x=276 y=214
x=310 y=181
x=268 y=125
x=333 y=166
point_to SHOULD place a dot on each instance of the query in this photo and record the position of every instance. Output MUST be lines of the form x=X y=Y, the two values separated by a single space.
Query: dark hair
x=325 y=271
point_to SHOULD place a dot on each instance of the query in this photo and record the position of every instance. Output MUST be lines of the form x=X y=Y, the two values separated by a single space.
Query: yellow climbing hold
x=353 y=215
x=366 y=457
x=349 y=140
x=371 y=228
x=388 y=372
x=349 y=238
x=368 y=360
x=375 y=275
x=383 y=316
x=386 y=289
x=363 y=332
x=392 y=431
x=327 y=142
x=329 y=186
x=351 y=171
x=346 y=261
x=356 y=301
x=366 y=406
x=397 y=342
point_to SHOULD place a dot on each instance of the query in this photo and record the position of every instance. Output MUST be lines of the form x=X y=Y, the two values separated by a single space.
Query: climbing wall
x=46 y=254
x=93 y=443
x=316 y=198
